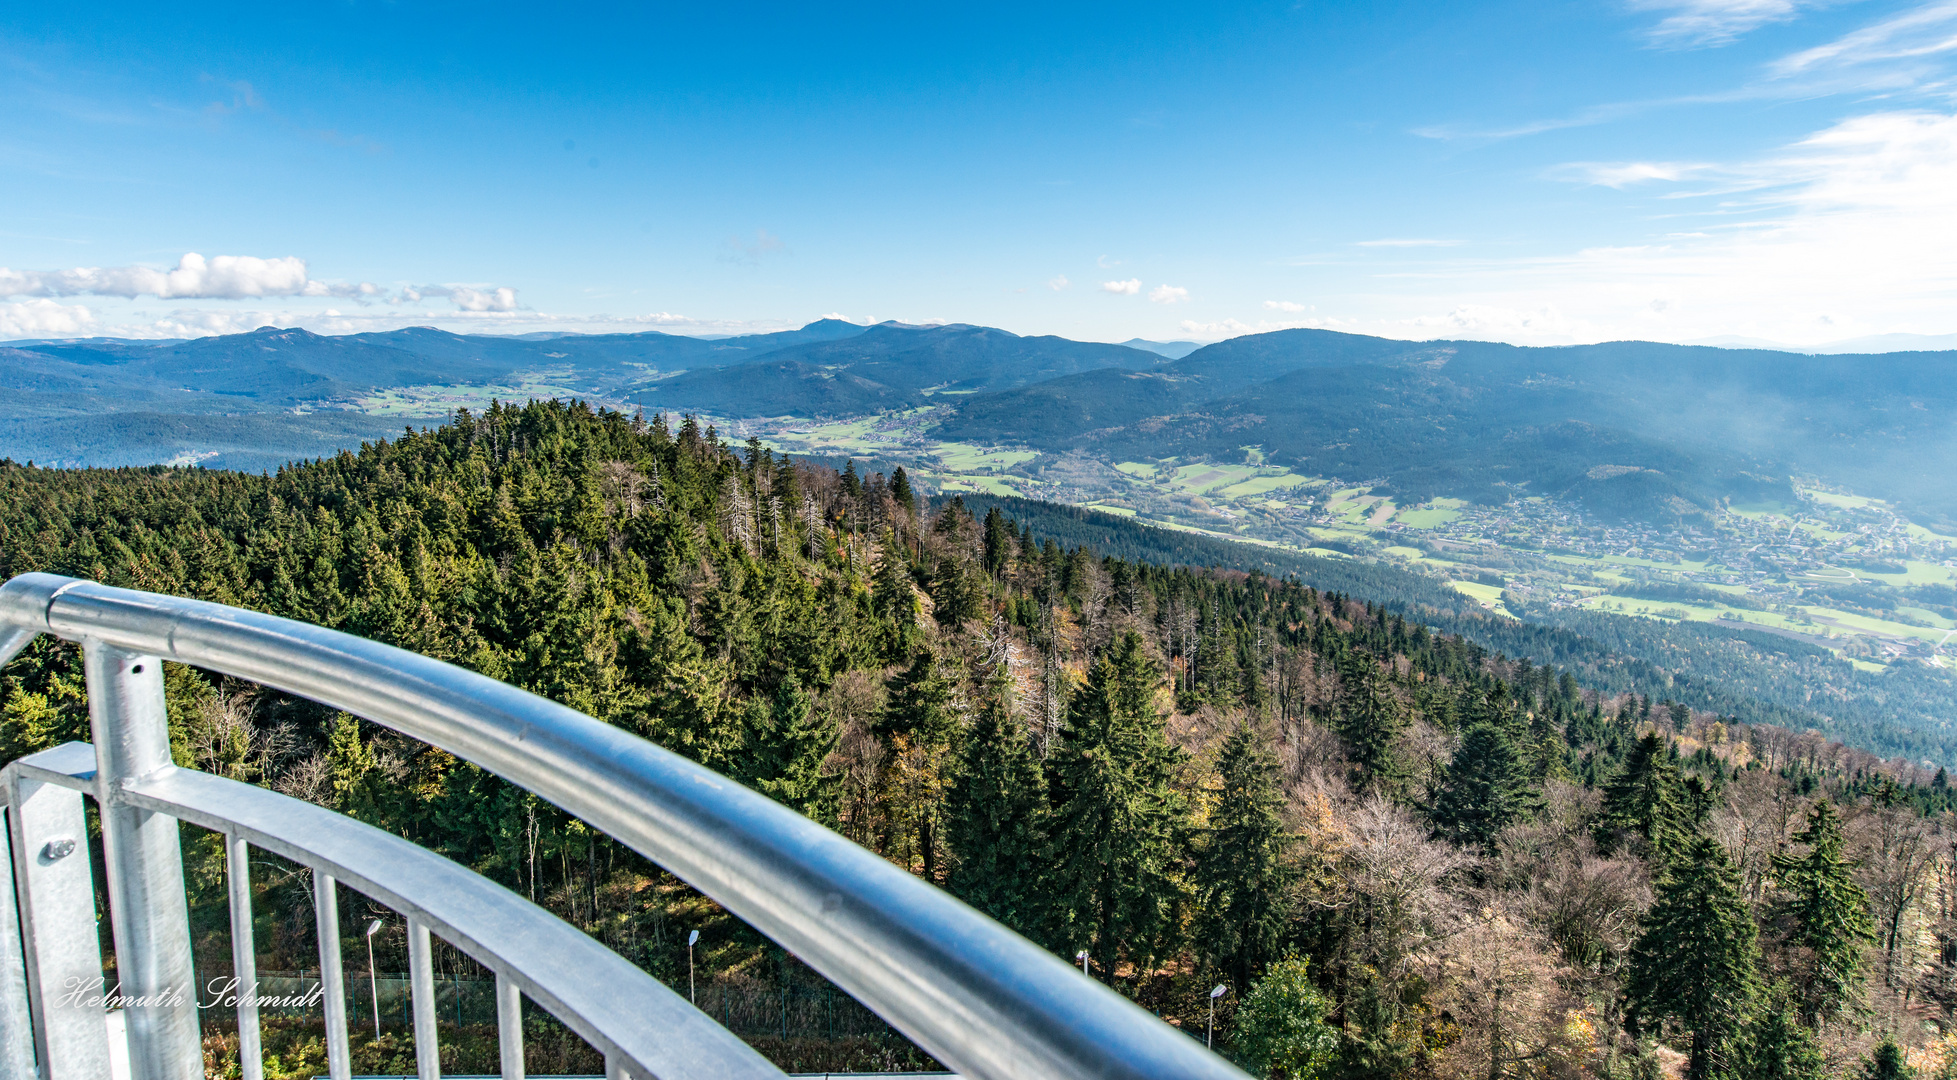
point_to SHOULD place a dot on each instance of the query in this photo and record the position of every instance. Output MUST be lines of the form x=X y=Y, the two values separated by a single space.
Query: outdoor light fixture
x=691 y=939
x=373 y=981
x=1209 y=1039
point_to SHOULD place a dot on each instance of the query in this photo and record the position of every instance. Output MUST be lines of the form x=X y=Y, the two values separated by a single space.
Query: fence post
x=56 y=890
x=147 y=907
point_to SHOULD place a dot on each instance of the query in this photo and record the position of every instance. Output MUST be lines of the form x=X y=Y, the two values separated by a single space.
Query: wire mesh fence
x=789 y=1010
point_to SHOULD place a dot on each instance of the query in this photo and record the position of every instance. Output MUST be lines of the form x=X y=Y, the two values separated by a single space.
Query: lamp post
x=691 y=939
x=373 y=981
x=1082 y=957
x=1209 y=1040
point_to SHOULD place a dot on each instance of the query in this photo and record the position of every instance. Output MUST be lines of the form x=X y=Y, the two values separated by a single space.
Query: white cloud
x=1130 y=287
x=44 y=318
x=1168 y=294
x=1908 y=36
x=1843 y=233
x=503 y=299
x=1711 y=23
x=1405 y=243
x=231 y=277
x=224 y=277
x=1284 y=305
x=1106 y=263
x=1625 y=173
x=1058 y=283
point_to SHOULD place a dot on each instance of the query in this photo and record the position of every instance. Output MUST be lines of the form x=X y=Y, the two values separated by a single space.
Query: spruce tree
x=1242 y=874
x=900 y=490
x=920 y=715
x=1118 y=823
x=1646 y=798
x=1886 y=1062
x=1370 y=720
x=993 y=816
x=1781 y=1047
x=1829 y=913
x=787 y=742
x=1487 y=788
x=1693 y=962
x=998 y=542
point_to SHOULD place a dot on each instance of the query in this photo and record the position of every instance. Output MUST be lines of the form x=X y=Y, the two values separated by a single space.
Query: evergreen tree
x=920 y=718
x=1781 y=1047
x=1886 y=1062
x=1693 y=962
x=993 y=816
x=1645 y=798
x=900 y=490
x=1242 y=875
x=1118 y=823
x=1370 y=720
x=787 y=742
x=1829 y=913
x=1487 y=787
x=955 y=596
x=999 y=542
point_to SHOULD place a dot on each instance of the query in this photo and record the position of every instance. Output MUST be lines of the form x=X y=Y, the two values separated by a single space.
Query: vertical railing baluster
x=509 y=1026
x=16 y=1021
x=142 y=852
x=615 y=1067
x=332 y=985
x=56 y=891
x=244 y=957
x=421 y=989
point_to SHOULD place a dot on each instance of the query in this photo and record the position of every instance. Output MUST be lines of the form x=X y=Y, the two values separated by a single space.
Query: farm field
x=1766 y=566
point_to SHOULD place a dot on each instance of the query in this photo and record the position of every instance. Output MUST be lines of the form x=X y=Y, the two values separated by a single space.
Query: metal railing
x=979 y=998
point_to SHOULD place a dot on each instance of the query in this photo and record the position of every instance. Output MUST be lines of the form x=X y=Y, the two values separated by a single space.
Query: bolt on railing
x=973 y=994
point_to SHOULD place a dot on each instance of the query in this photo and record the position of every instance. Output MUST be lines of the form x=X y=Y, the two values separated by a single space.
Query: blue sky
x=1533 y=172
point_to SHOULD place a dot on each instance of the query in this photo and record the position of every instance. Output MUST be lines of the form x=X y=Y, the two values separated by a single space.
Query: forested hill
x=1408 y=857
x=1748 y=675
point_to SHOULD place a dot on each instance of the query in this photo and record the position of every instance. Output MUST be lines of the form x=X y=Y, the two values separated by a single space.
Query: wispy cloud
x=1699 y=24
x=1284 y=305
x=752 y=252
x=1623 y=174
x=1106 y=263
x=1844 y=232
x=1397 y=242
x=1167 y=294
x=1926 y=31
x=1058 y=283
x=1127 y=288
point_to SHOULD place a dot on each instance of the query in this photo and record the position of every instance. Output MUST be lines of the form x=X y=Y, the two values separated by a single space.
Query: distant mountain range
x=1630 y=428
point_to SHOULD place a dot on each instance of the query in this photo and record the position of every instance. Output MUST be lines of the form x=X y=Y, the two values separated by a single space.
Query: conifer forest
x=1402 y=853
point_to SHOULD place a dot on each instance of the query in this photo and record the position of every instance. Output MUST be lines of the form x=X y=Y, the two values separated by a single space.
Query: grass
x=1488 y=596
x=1264 y=485
x=1428 y=517
x=962 y=457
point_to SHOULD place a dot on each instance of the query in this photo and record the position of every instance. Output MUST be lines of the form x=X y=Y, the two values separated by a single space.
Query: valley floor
x=1840 y=571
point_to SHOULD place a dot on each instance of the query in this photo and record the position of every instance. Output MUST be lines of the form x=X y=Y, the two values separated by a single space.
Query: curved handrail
x=611 y=1003
x=980 y=998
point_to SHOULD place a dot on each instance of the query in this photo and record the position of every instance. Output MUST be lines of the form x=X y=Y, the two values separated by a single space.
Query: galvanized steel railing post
x=147 y=905
x=244 y=958
x=421 y=978
x=509 y=1026
x=16 y=1022
x=56 y=890
x=332 y=984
